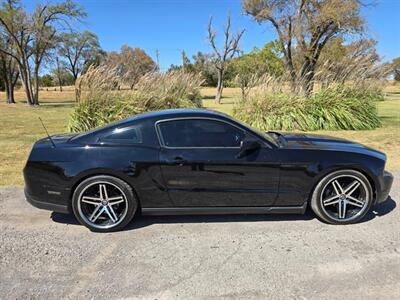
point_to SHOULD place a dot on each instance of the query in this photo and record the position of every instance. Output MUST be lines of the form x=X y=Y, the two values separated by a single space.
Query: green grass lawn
x=20 y=127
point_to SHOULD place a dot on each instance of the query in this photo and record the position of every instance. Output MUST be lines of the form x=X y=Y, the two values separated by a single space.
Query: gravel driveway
x=48 y=255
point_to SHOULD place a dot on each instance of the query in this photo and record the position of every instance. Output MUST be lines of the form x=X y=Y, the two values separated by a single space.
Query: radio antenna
x=51 y=140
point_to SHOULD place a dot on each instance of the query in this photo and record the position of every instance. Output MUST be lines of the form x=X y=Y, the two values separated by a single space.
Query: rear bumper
x=386 y=186
x=46 y=205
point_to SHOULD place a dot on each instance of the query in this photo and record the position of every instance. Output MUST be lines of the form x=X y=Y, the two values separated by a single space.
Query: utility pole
x=158 y=59
x=183 y=60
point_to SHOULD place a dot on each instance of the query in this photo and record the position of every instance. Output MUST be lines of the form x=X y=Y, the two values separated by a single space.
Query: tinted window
x=200 y=133
x=130 y=135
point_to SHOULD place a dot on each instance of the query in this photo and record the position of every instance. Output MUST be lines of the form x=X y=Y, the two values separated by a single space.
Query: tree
x=46 y=80
x=99 y=58
x=185 y=61
x=304 y=27
x=203 y=63
x=32 y=37
x=225 y=54
x=396 y=68
x=61 y=75
x=78 y=49
x=249 y=68
x=131 y=64
x=355 y=61
x=8 y=69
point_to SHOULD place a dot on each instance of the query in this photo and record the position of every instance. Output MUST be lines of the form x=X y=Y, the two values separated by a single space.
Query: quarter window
x=200 y=133
x=124 y=135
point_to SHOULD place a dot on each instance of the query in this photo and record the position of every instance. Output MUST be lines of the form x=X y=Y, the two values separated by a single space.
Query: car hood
x=322 y=142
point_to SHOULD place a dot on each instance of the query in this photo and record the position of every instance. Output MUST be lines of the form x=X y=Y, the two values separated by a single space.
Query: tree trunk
x=10 y=94
x=307 y=85
x=9 y=85
x=59 y=75
x=26 y=83
x=293 y=81
x=243 y=89
x=220 y=86
x=307 y=74
x=36 y=86
x=7 y=88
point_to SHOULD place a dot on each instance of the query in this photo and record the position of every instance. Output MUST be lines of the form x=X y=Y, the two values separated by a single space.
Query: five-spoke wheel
x=104 y=203
x=342 y=197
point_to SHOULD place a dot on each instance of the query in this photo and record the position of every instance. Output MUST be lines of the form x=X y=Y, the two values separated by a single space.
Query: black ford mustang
x=201 y=162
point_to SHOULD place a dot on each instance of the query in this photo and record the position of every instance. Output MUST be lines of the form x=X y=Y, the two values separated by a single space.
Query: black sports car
x=201 y=162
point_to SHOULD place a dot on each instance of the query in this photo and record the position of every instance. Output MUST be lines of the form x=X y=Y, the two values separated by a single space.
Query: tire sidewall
x=126 y=189
x=316 y=204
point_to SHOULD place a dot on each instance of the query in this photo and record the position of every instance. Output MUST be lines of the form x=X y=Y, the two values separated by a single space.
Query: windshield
x=265 y=135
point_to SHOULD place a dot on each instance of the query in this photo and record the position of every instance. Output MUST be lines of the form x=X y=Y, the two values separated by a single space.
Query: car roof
x=156 y=115
x=180 y=112
x=166 y=114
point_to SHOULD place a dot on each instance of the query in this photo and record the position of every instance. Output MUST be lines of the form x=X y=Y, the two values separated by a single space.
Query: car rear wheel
x=342 y=197
x=104 y=203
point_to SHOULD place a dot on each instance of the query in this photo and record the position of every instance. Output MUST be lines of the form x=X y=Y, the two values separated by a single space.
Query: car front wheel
x=104 y=203
x=342 y=197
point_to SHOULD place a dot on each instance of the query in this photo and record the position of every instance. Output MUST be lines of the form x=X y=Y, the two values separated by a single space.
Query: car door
x=200 y=165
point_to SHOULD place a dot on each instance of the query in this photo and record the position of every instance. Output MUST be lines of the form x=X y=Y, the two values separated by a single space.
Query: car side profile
x=194 y=161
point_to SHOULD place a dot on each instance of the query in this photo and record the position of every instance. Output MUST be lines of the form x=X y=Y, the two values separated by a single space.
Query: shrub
x=101 y=103
x=330 y=109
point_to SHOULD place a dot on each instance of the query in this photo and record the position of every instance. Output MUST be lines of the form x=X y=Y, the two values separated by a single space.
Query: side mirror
x=247 y=146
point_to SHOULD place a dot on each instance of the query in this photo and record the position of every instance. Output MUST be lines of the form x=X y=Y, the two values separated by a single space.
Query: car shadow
x=143 y=221
x=381 y=209
x=140 y=221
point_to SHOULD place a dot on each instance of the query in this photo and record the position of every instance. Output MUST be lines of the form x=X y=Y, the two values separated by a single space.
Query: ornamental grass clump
x=100 y=101
x=338 y=108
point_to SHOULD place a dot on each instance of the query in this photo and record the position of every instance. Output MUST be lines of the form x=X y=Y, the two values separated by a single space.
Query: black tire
x=317 y=200
x=130 y=203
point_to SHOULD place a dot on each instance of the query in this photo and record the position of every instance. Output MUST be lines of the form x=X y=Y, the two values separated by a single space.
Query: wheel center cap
x=342 y=197
x=104 y=202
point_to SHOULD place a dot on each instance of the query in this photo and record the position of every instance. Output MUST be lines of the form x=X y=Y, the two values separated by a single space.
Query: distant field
x=20 y=126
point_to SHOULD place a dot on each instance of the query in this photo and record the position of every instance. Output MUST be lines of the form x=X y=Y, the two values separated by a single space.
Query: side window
x=200 y=133
x=123 y=135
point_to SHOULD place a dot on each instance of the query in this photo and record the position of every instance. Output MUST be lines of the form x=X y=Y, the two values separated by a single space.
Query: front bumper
x=386 y=186
x=46 y=205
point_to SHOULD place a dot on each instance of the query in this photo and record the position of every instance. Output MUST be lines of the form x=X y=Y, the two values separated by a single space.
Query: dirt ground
x=44 y=255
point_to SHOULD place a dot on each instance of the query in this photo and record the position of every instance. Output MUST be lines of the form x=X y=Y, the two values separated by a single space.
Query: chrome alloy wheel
x=102 y=205
x=345 y=197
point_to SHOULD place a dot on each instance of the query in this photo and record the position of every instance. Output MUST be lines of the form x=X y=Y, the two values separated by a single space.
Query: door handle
x=179 y=160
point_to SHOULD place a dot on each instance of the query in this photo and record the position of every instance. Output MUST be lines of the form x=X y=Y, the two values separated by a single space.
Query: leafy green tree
x=46 y=80
x=249 y=68
x=202 y=64
x=396 y=68
x=61 y=75
x=9 y=72
x=341 y=61
x=131 y=64
x=304 y=28
x=33 y=36
x=78 y=49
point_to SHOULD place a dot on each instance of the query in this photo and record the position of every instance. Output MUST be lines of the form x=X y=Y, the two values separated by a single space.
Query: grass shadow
x=57 y=104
